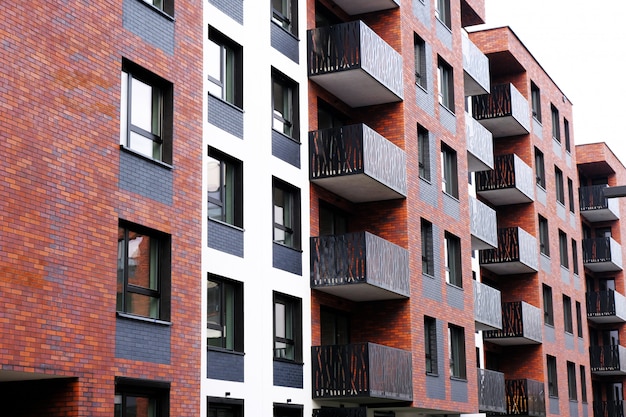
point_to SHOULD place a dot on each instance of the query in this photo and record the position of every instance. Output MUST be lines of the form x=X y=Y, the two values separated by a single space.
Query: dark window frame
x=458 y=360
x=229 y=301
x=428 y=254
x=570 y=192
x=421 y=70
x=556 y=128
x=563 y=252
x=164 y=6
x=559 y=185
x=571 y=381
x=228 y=203
x=290 y=225
x=540 y=169
x=423 y=153
x=231 y=66
x=286 y=121
x=445 y=82
x=281 y=343
x=579 y=319
x=553 y=382
x=583 y=383
x=575 y=256
x=443 y=13
x=286 y=15
x=544 y=236
x=430 y=345
x=568 y=323
x=548 y=307
x=452 y=247
x=449 y=171
x=231 y=407
x=535 y=94
x=156 y=391
x=568 y=143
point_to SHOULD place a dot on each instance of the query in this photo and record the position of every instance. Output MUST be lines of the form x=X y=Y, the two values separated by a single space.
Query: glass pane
x=141 y=267
x=142 y=144
x=215 y=212
x=229 y=75
x=229 y=316
x=121 y=255
x=141 y=105
x=214 y=306
x=229 y=193
x=214 y=179
x=142 y=305
x=214 y=61
x=279 y=321
x=140 y=407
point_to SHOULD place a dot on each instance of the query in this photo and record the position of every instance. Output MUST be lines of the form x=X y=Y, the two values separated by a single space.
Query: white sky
x=581 y=45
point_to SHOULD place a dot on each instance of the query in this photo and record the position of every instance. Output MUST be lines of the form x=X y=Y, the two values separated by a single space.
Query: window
x=449 y=175
x=166 y=6
x=224 y=313
x=571 y=381
x=570 y=194
x=285 y=104
x=332 y=221
x=143 y=272
x=583 y=384
x=430 y=344
x=548 y=311
x=567 y=314
x=225 y=68
x=446 y=85
x=224 y=407
x=553 y=388
x=453 y=260
x=285 y=14
x=288 y=410
x=579 y=320
x=224 y=188
x=575 y=256
x=146 y=115
x=563 y=255
x=544 y=244
x=287 y=327
x=556 y=130
x=442 y=12
x=568 y=144
x=420 y=61
x=558 y=183
x=535 y=96
x=540 y=170
x=286 y=214
x=141 y=398
x=428 y=258
x=456 y=337
x=335 y=327
x=423 y=152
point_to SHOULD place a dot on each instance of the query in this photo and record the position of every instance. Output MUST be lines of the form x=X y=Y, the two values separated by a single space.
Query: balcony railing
x=483 y=225
x=602 y=254
x=608 y=408
x=606 y=307
x=354 y=7
x=510 y=182
x=491 y=391
x=608 y=360
x=366 y=372
x=521 y=325
x=487 y=307
x=525 y=397
x=360 y=267
x=504 y=112
x=353 y=63
x=595 y=207
x=516 y=253
x=357 y=163
x=475 y=69
x=479 y=146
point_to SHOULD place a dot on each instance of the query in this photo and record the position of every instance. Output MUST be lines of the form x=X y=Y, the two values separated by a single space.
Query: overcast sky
x=582 y=45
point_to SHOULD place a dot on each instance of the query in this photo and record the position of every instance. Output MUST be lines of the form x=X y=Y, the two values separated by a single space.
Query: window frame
x=570 y=192
x=235 y=406
x=583 y=383
x=164 y=6
x=579 y=319
x=445 y=82
x=563 y=252
x=571 y=381
x=568 y=323
x=575 y=256
x=286 y=17
x=559 y=186
x=430 y=346
x=295 y=328
x=229 y=203
x=423 y=153
x=291 y=217
x=540 y=168
x=556 y=128
x=548 y=307
x=449 y=171
x=156 y=391
x=456 y=347
x=544 y=236
x=230 y=313
x=443 y=13
x=553 y=381
x=230 y=66
x=289 y=116
x=428 y=254
x=535 y=94
x=566 y=131
x=452 y=257
x=419 y=53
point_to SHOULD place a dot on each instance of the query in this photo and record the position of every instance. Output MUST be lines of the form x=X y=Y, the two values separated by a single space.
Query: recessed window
x=445 y=83
x=428 y=258
x=456 y=338
x=553 y=386
x=535 y=95
x=286 y=214
x=570 y=194
x=285 y=106
x=420 y=61
x=540 y=170
x=442 y=12
x=556 y=129
x=423 y=153
x=571 y=381
x=146 y=113
x=579 y=320
x=285 y=14
x=224 y=188
x=449 y=174
x=225 y=68
x=544 y=243
x=559 y=186
x=430 y=344
x=563 y=255
x=224 y=313
x=567 y=314
x=143 y=272
x=453 y=260
x=287 y=327
x=288 y=410
x=548 y=311
x=224 y=407
x=335 y=327
x=166 y=6
x=583 y=384
x=134 y=397
x=575 y=256
x=568 y=143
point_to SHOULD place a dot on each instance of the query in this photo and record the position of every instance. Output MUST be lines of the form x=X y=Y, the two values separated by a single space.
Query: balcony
x=483 y=225
x=357 y=163
x=522 y=324
x=595 y=207
x=516 y=253
x=491 y=391
x=479 y=146
x=362 y=372
x=608 y=360
x=608 y=408
x=504 y=112
x=475 y=69
x=525 y=397
x=606 y=307
x=602 y=254
x=510 y=182
x=353 y=7
x=359 y=267
x=353 y=63
x=487 y=307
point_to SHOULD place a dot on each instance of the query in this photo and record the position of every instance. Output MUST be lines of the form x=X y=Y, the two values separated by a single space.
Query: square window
x=544 y=243
x=224 y=188
x=556 y=129
x=286 y=214
x=166 y=6
x=428 y=257
x=143 y=272
x=224 y=313
x=449 y=174
x=540 y=170
x=535 y=95
x=559 y=186
x=285 y=106
x=423 y=152
x=567 y=314
x=452 y=249
x=224 y=407
x=430 y=344
x=146 y=113
x=285 y=14
x=563 y=255
x=553 y=386
x=287 y=328
x=548 y=312
x=420 y=61
x=446 y=85
x=134 y=397
x=225 y=68
x=442 y=12
x=456 y=338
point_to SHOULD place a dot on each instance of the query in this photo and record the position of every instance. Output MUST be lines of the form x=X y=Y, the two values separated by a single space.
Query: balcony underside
x=608 y=266
x=604 y=319
x=599 y=215
x=508 y=268
x=609 y=372
x=358 y=188
x=511 y=341
x=505 y=196
x=356 y=88
x=362 y=291
x=504 y=126
x=354 y=7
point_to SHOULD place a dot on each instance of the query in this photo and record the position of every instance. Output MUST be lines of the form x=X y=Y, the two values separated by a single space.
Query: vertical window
x=558 y=183
x=553 y=387
x=568 y=144
x=225 y=189
x=548 y=311
x=579 y=320
x=456 y=338
x=540 y=170
x=583 y=384
x=419 y=47
x=286 y=214
x=428 y=258
x=442 y=12
x=423 y=152
x=224 y=407
x=143 y=271
x=571 y=381
x=225 y=68
x=166 y=6
x=141 y=398
x=287 y=327
x=335 y=327
x=570 y=193
x=430 y=344
x=332 y=221
x=575 y=256
x=449 y=175
x=535 y=96
x=453 y=260
x=224 y=314
x=445 y=82
x=146 y=116
x=563 y=255
x=544 y=243
x=285 y=14
x=556 y=129
x=285 y=104
x=567 y=314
